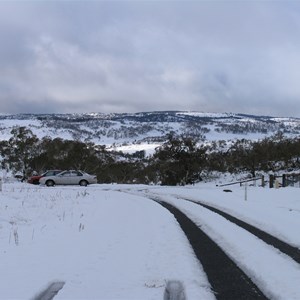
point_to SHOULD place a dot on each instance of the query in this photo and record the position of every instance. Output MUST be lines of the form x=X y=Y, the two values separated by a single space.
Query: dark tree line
x=178 y=161
x=270 y=154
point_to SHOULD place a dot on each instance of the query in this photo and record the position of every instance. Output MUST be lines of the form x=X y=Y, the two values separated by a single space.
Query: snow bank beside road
x=102 y=243
x=112 y=242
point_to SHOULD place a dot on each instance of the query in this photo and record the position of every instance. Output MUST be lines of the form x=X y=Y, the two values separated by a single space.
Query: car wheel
x=49 y=183
x=83 y=183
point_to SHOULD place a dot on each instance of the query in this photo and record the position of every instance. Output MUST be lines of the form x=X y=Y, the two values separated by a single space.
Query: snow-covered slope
x=114 y=242
x=146 y=130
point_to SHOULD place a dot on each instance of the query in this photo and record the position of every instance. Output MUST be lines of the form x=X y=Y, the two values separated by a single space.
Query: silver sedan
x=70 y=177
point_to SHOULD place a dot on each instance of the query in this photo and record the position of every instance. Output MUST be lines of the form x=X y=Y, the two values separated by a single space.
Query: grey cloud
x=74 y=56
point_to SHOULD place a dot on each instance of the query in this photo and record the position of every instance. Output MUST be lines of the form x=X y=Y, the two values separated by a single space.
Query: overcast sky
x=131 y=56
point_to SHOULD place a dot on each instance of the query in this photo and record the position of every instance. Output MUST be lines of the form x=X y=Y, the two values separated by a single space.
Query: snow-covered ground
x=132 y=148
x=114 y=242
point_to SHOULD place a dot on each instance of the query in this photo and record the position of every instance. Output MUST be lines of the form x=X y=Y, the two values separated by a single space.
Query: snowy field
x=114 y=242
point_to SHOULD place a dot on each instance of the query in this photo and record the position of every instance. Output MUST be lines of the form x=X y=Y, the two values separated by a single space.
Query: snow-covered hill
x=145 y=130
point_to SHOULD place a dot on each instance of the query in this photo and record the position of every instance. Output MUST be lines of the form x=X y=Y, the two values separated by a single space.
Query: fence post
x=0 y=184
x=263 y=181
x=283 y=180
x=271 y=182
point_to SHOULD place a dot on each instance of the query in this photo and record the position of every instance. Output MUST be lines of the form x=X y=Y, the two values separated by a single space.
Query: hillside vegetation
x=179 y=160
x=115 y=130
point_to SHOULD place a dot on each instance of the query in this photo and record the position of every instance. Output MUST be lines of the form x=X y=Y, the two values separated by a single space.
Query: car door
x=63 y=178
x=74 y=178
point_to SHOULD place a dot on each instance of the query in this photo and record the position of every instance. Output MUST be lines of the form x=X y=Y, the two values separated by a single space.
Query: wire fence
x=273 y=181
x=292 y=180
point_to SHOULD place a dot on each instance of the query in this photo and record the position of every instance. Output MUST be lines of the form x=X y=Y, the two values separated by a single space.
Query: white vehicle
x=70 y=177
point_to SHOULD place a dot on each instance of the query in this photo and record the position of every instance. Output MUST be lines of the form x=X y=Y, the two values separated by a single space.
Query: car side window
x=66 y=174
x=73 y=173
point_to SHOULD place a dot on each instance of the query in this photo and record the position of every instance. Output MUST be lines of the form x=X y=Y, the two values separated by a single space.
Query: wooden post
x=263 y=181
x=283 y=180
x=271 y=181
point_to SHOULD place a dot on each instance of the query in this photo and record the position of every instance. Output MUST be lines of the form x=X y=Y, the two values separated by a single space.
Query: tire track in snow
x=228 y=281
x=291 y=251
x=51 y=291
